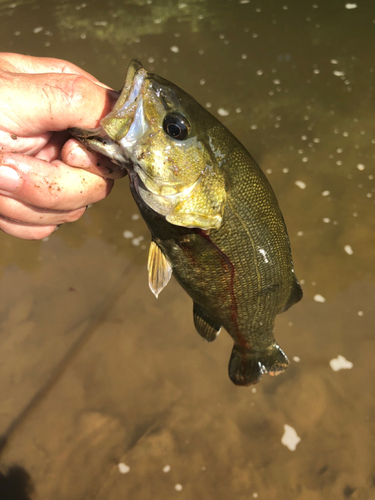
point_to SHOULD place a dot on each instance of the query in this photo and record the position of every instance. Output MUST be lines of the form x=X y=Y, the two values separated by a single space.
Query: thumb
x=51 y=102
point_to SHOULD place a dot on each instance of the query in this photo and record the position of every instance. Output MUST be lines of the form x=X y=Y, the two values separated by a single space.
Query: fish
x=214 y=219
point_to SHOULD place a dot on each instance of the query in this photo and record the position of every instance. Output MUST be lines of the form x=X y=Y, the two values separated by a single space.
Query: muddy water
x=95 y=372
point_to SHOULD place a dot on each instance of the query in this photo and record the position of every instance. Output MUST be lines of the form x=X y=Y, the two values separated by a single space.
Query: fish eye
x=176 y=126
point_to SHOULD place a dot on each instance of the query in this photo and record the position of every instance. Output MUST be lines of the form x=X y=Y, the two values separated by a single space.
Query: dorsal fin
x=207 y=328
x=159 y=269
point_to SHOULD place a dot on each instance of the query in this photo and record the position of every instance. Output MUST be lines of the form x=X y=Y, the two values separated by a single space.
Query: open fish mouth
x=126 y=122
x=124 y=125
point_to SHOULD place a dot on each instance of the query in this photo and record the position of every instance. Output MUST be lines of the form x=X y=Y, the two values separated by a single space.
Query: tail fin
x=247 y=368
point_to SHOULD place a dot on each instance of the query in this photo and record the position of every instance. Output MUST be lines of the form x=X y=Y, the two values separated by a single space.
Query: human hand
x=46 y=179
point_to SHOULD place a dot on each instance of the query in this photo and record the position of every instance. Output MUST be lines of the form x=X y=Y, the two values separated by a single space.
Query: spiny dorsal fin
x=204 y=324
x=159 y=269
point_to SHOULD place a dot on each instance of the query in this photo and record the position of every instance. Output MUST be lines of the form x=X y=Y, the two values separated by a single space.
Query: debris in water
x=340 y=363
x=319 y=298
x=123 y=468
x=290 y=438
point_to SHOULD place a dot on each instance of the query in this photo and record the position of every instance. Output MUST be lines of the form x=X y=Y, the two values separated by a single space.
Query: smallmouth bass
x=214 y=219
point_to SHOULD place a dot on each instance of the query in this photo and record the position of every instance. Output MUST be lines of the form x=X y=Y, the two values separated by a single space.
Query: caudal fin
x=247 y=368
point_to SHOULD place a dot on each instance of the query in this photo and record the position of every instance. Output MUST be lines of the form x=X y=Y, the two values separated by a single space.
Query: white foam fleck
x=167 y=468
x=38 y=29
x=300 y=233
x=259 y=72
x=127 y=234
x=135 y=216
x=208 y=104
x=348 y=249
x=319 y=298
x=340 y=363
x=244 y=1
x=290 y=438
x=244 y=56
x=297 y=359
x=123 y=468
x=178 y=487
x=157 y=21
x=255 y=495
x=285 y=170
x=327 y=220
x=174 y=49
x=360 y=313
x=339 y=73
x=351 y=6
x=223 y=112
x=300 y=184
x=334 y=61
x=137 y=241
x=360 y=166
x=326 y=193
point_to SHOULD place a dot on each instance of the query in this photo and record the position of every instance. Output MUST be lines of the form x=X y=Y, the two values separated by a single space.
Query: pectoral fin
x=159 y=269
x=204 y=324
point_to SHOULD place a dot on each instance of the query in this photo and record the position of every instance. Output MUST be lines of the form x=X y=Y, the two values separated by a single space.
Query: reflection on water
x=95 y=372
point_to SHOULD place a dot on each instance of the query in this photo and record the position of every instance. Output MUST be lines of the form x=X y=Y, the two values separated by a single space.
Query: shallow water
x=95 y=372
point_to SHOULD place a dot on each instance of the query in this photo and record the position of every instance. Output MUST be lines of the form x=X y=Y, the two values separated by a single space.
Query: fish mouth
x=126 y=121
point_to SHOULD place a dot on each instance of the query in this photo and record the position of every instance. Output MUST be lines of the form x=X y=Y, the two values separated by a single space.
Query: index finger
x=41 y=103
x=28 y=64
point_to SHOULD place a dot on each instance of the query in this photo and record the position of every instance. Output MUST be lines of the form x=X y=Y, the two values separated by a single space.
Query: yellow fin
x=159 y=269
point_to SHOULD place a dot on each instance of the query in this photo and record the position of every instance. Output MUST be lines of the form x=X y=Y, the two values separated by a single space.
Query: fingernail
x=9 y=179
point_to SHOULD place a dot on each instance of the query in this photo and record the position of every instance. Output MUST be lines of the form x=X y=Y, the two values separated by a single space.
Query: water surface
x=95 y=372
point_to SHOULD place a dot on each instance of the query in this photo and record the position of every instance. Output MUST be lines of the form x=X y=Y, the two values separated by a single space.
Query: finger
x=19 y=63
x=17 y=144
x=53 y=186
x=52 y=149
x=40 y=103
x=19 y=212
x=25 y=231
x=75 y=154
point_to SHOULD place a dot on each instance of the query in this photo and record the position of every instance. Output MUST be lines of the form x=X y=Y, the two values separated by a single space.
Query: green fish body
x=214 y=219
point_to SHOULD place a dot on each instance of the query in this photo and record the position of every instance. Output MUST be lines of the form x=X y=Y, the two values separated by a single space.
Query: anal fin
x=207 y=328
x=159 y=269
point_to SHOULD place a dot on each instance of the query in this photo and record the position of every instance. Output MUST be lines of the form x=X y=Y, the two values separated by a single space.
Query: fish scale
x=214 y=219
